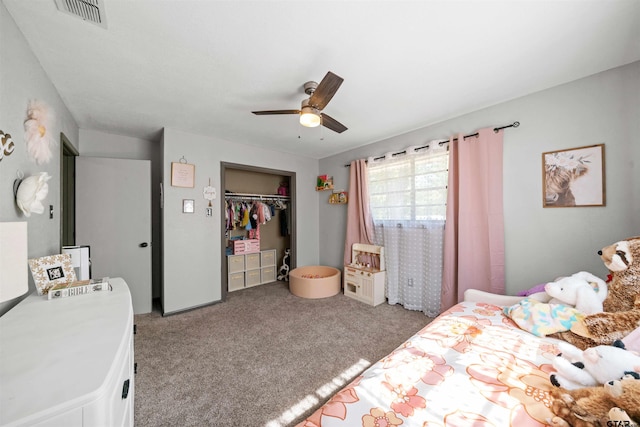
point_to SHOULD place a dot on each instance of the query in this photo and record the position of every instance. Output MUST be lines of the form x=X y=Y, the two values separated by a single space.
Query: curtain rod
x=512 y=125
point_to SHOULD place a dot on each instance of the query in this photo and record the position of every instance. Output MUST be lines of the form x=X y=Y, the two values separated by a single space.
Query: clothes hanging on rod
x=258 y=197
x=247 y=214
x=283 y=223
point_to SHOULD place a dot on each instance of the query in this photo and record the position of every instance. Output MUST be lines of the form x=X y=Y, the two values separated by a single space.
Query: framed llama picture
x=573 y=177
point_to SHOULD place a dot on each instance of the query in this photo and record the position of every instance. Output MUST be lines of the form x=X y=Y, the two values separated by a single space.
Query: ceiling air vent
x=87 y=10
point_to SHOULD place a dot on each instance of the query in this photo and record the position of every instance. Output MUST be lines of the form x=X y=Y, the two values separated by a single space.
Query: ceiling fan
x=310 y=112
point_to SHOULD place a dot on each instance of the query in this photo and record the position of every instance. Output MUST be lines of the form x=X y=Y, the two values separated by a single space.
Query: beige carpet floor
x=262 y=358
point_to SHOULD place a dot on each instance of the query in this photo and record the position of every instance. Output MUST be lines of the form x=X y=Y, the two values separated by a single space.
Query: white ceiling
x=203 y=66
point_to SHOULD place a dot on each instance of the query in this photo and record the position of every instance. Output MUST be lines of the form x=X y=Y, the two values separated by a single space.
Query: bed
x=472 y=365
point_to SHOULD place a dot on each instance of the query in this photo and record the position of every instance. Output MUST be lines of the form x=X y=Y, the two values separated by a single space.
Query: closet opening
x=253 y=256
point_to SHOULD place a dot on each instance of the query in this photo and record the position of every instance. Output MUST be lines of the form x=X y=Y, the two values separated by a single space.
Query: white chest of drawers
x=68 y=362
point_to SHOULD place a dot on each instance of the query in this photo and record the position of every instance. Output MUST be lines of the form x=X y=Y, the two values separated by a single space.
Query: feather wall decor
x=38 y=132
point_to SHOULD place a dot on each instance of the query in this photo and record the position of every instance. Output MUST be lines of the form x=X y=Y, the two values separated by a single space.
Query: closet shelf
x=248 y=196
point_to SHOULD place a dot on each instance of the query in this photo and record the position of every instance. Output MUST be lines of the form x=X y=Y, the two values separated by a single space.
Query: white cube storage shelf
x=247 y=270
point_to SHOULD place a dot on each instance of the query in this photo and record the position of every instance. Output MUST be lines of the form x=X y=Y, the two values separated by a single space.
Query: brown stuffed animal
x=621 y=307
x=592 y=406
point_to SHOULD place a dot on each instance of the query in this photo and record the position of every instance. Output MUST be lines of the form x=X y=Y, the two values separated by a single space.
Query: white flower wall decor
x=38 y=132
x=31 y=192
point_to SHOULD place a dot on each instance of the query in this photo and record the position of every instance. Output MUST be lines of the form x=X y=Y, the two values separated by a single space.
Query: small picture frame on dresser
x=50 y=271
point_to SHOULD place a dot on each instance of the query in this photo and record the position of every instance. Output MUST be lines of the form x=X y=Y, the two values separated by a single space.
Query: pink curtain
x=474 y=230
x=359 y=220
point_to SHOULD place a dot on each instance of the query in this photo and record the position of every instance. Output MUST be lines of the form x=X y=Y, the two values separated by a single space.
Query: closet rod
x=512 y=125
x=248 y=196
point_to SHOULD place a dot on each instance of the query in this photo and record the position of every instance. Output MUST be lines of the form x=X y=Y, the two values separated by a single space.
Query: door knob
x=143 y=244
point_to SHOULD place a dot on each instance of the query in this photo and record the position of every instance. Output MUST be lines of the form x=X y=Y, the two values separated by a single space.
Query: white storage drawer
x=252 y=261
x=268 y=257
x=236 y=281
x=252 y=278
x=268 y=274
x=235 y=263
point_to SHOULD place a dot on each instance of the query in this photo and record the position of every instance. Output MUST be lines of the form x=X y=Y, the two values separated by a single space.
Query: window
x=409 y=188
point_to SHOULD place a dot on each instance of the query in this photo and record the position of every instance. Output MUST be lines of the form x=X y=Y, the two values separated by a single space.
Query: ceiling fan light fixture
x=310 y=108
x=309 y=117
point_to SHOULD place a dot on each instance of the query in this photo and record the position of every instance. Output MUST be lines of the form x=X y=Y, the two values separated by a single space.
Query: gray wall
x=22 y=79
x=540 y=244
x=192 y=242
x=101 y=144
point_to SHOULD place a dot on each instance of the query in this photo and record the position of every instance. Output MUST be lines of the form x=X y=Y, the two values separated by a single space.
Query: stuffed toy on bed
x=593 y=367
x=583 y=291
x=559 y=305
x=621 y=308
x=617 y=403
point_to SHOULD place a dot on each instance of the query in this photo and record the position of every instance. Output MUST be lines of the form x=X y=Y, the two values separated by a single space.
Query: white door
x=113 y=217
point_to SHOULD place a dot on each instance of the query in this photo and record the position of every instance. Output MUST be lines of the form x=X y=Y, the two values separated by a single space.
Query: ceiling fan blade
x=325 y=90
x=264 y=113
x=331 y=123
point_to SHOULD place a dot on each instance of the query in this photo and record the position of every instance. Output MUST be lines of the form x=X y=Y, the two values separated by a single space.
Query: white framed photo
x=50 y=271
x=188 y=205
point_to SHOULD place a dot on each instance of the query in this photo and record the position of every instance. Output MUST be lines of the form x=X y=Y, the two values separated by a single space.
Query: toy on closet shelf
x=283 y=190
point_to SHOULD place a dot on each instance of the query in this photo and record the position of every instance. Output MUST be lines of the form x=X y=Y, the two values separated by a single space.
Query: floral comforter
x=471 y=366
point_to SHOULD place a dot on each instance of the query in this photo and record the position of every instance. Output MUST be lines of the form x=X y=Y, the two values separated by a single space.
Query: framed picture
x=50 y=271
x=573 y=177
x=188 y=205
x=183 y=174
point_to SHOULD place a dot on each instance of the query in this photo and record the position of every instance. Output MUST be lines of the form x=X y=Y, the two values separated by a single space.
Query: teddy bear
x=594 y=366
x=621 y=307
x=617 y=403
x=582 y=290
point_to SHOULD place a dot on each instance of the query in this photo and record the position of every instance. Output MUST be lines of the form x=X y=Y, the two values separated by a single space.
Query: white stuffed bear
x=594 y=366
x=582 y=290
